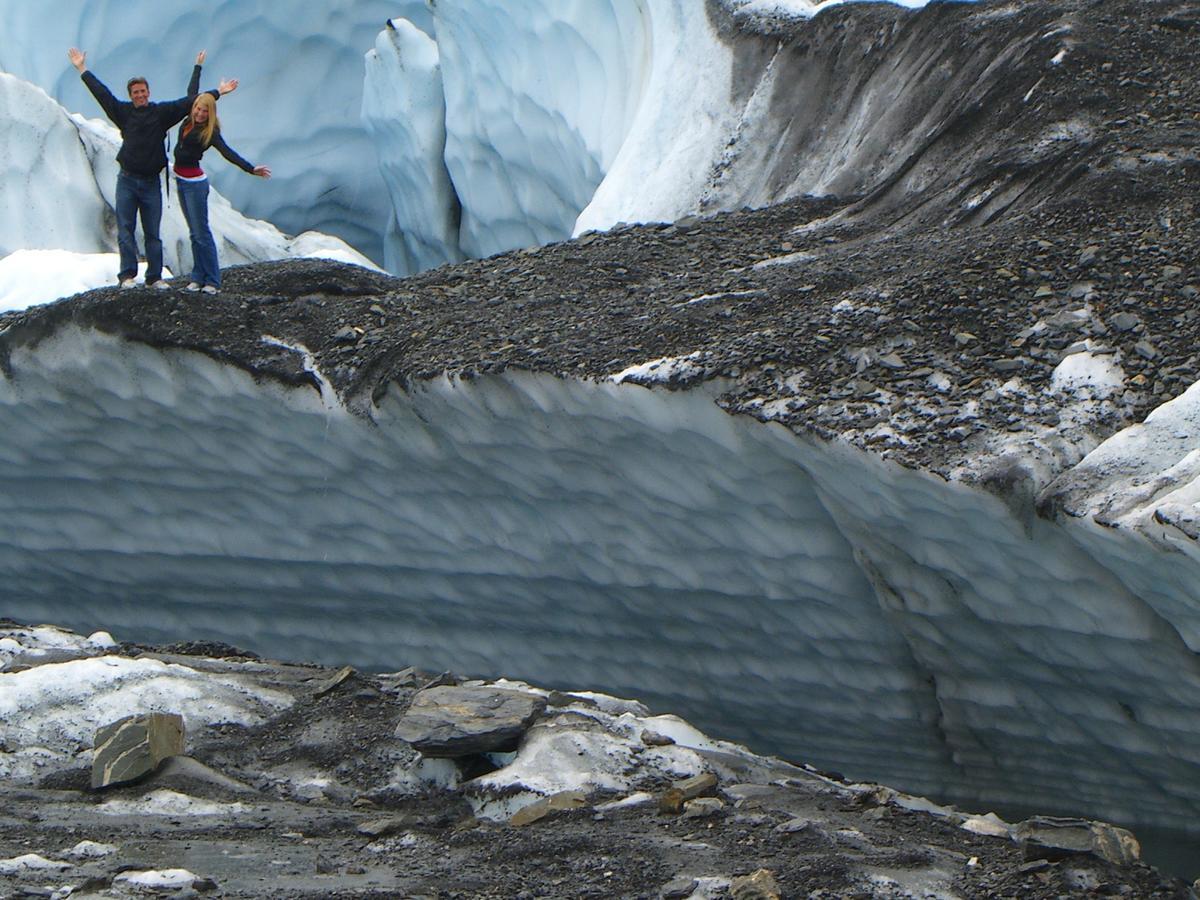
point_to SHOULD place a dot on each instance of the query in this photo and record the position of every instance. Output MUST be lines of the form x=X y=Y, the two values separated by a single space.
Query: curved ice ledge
x=806 y=597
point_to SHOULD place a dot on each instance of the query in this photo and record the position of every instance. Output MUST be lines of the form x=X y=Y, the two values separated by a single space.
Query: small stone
x=346 y=335
x=1089 y=255
x=1044 y=291
x=654 y=739
x=702 y=807
x=679 y=793
x=678 y=888
x=761 y=885
x=793 y=826
x=539 y=809
x=1036 y=865
x=964 y=337
x=891 y=361
x=382 y=827
x=1125 y=321
x=1007 y=365
x=1145 y=350
x=330 y=683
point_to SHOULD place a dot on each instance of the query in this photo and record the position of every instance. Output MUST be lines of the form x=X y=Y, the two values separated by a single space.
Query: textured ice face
x=297 y=109
x=404 y=111
x=799 y=595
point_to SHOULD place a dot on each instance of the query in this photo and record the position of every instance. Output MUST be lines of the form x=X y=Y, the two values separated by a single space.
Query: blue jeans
x=193 y=197
x=137 y=194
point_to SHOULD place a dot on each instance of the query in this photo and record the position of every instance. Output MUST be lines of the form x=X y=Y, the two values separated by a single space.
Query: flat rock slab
x=450 y=721
x=1052 y=838
x=135 y=746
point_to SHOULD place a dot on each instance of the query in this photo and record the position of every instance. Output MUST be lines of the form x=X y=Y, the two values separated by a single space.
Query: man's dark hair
x=136 y=79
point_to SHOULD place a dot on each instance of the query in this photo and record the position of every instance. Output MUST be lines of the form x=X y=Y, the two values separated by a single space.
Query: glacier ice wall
x=803 y=596
x=404 y=111
x=58 y=192
x=297 y=110
x=538 y=97
x=565 y=117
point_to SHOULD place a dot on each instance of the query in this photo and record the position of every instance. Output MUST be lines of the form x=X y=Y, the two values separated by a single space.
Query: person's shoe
x=210 y=289
x=193 y=286
x=161 y=285
x=127 y=283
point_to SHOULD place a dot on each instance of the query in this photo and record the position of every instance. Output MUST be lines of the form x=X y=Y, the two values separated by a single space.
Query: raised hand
x=78 y=59
x=228 y=86
x=201 y=56
x=262 y=171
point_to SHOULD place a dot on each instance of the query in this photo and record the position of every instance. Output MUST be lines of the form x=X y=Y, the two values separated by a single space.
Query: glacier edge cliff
x=806 y=596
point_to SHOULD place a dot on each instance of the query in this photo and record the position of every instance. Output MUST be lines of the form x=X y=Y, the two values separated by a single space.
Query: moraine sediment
x=591 y=796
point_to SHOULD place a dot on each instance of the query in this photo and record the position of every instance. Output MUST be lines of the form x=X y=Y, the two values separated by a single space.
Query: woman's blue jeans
x=193 y=197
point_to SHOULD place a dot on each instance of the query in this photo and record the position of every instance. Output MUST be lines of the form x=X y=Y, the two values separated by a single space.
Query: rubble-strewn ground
x=321 y=800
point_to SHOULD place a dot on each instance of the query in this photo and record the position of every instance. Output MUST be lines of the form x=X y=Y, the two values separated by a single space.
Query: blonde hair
x=209 y=128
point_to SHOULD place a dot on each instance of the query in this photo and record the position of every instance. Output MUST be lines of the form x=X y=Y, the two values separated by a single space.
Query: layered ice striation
x=57 y=201
x=803 y=596
x=297 y=109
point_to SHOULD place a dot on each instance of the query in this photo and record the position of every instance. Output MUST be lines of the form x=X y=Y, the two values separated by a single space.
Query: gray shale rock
x=135 y=746
x=1047 y=837
x=450 y=721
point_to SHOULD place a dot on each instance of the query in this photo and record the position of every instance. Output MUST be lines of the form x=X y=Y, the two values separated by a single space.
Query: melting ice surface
x=804 y=597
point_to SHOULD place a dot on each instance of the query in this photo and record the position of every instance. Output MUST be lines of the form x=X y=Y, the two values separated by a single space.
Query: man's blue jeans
x=139 y=195
x=193 y=197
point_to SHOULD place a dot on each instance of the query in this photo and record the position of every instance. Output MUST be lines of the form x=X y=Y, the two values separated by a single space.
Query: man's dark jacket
x=144 y=129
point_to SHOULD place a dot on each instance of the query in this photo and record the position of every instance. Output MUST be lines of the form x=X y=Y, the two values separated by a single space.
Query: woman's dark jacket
x=190 y=147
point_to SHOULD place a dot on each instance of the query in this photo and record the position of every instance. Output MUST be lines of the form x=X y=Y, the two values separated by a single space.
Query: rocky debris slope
x=929 y=328
x=577 y=795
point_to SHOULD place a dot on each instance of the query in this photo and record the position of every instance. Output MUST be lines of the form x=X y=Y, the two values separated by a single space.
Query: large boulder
x=451 y=720
x=134 y=746
x=1047 y=837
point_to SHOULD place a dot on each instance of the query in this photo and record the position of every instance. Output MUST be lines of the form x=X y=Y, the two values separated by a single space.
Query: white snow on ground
x=29 y=277
x=796 y=9
x=92 y=850
x=30 y=862
x=1089 y=373
x=36 y=642
x=661 y=371
x=594 y=743
x=157 y=879
x=169 y=803
x=50 y=713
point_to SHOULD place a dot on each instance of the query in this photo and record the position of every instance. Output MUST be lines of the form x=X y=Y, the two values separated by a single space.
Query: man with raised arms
x=142 y=158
